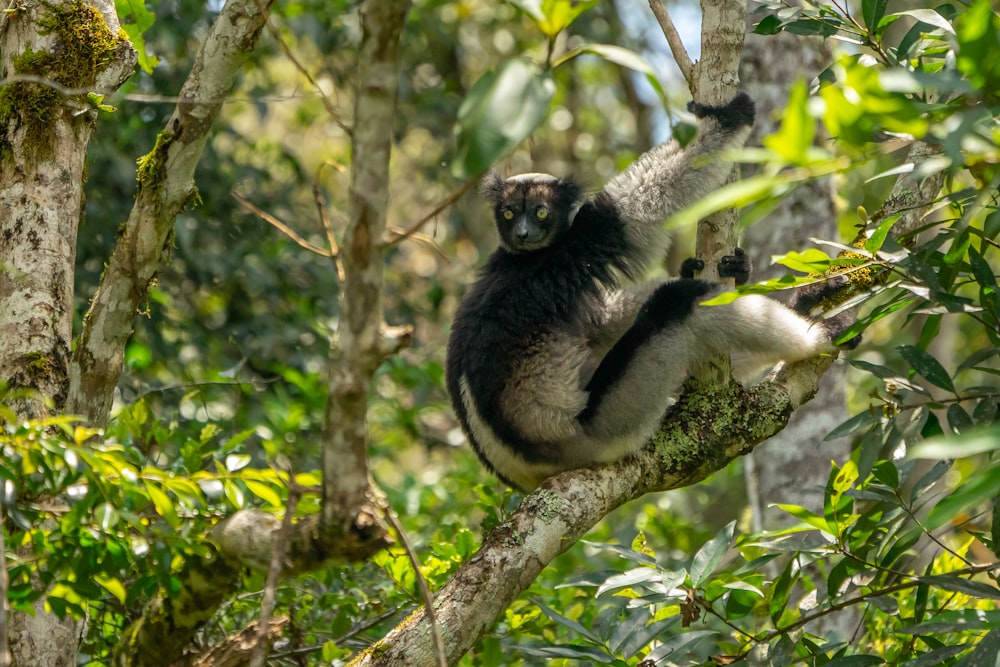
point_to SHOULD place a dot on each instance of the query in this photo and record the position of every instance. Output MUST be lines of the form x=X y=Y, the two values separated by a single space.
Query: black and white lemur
x=561 y=355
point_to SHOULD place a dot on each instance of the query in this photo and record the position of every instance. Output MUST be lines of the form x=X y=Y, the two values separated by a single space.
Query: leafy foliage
x=224 y=379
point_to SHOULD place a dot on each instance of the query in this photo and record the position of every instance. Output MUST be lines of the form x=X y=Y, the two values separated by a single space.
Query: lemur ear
x=491 y=187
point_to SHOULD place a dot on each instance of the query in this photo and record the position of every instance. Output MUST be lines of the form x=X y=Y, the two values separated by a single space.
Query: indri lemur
x=553 y=364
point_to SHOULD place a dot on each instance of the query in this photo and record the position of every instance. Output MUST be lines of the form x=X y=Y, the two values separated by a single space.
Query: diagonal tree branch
x=165 y=186
x=707 y=429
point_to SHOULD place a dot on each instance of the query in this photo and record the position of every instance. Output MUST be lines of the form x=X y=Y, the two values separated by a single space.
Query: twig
x=681 y=56
x=808 y=618
x=285 y=229
x=327 y=102
x=324 y=220
x=418 y=237
x=436 y=211
x=273 y=573
x=425 y=591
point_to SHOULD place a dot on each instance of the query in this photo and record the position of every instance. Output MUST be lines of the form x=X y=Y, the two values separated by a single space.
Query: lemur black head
x=532 y=211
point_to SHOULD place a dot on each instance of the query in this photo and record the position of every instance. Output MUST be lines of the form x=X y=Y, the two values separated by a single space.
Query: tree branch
x=165 y=186
x=680 y=54
x=709 y=427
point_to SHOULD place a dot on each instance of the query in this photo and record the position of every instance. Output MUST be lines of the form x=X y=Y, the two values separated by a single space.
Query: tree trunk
x=793 y=466
x=53 y=54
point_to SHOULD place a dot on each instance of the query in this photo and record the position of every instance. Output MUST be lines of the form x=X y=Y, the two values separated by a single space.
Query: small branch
x=324 y=220
x=680 y=54
x=425 y=591
x=453 y=197
x=273 y=573
x=327 y=102
x=282 y=227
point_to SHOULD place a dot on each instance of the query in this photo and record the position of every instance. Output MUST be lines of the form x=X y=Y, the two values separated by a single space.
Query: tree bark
x=165 y=186
x=51 y=55
x=794 y=465
x=46 y=123
x=716 y=80
x=350 y=507
x=709 y=427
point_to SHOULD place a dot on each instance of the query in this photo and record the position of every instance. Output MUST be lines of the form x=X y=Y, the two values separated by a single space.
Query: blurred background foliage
x=225 y=370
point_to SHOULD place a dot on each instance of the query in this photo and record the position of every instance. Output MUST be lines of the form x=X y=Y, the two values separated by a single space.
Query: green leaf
x=873 y=11
x=983 y=485
x=804 y=515
x=236 y=462
x=854 y=424
x=798 y=128
x=769 y=25
x=927 y=366
x=111 y=585
x=136 y=20
x=779 y=593
x=264 y=492
x=552 y=16
x=956 y=584
x=875 y=241
x=500 y=111
x=637 y=575
x=710 y=555
x=679 y=647
x=619 y=56
x=567 y=622
x=812 y=260
x=106 y=516
x=928 y=16
x=163 y=504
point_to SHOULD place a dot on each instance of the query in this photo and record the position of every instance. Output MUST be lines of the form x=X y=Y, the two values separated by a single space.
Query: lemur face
x=531 y=210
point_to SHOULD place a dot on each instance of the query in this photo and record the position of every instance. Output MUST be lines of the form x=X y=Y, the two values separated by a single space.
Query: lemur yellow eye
x=542 y=213
x=508 y=214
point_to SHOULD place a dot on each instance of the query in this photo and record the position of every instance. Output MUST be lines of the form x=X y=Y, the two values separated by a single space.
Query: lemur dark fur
x=562 y=355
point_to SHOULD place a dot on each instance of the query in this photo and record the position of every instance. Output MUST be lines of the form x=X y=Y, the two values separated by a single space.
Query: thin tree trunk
x=52 y=54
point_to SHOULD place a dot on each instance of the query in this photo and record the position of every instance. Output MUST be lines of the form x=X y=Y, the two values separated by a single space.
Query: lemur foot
x=807 y=298
x=837 y=325
x=737 y=266
x=823 y=295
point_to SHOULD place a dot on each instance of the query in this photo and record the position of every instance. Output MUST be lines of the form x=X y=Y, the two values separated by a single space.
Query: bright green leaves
x=136 y=19
x=552 y=16
x=501 y=110
x=119 y=514
x=977 y=31
x=794 y=139
x=858 y=102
